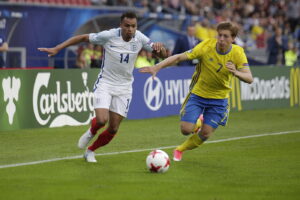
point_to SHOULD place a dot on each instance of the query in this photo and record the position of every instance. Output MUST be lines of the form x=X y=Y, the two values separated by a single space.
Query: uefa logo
x=153 y=93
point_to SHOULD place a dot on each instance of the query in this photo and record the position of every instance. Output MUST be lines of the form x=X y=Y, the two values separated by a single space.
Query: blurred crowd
x=269 y=25
x=89 y=56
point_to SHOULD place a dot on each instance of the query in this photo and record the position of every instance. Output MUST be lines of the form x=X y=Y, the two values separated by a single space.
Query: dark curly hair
x=130 y=15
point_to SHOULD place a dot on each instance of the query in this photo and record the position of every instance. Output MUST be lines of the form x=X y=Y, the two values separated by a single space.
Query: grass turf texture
x=254 y=168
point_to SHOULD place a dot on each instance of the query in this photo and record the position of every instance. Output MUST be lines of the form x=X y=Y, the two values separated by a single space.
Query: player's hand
x=151 y=70
x=231 y=67
x=157 y=46
x=50 y=51
x=5 y=46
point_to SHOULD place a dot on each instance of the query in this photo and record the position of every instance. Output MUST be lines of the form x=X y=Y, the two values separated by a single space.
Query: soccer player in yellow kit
x=219 y=61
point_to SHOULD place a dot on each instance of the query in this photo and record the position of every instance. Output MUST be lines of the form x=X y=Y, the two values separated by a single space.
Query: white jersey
x=119 y=57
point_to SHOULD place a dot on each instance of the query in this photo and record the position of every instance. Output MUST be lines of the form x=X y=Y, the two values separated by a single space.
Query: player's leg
x=189 y=115
x=108 y=134
x=118 y=110
x=193 y=141
x=102 y=101
x=96 y=123
x=105 y=137
x=190 y=112
x=214 y=115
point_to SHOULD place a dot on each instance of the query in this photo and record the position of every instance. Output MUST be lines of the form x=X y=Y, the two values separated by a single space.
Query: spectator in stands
x=96 y=59
x=80 y=62
x=118 y=3
x=277 y=45
x=87 y=55
x=177 y=5
x=161 y=6
x=185 y=43
x=293 y=13
x=291 y=55
x=142 y=60
x=191 y=7
x=201 y=31
x=150 y=58
x=141 y=4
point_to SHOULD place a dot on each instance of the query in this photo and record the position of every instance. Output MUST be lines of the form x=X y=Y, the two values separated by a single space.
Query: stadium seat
x=33 y=1
x=70 y=2
x=86 y=2
x=44 y=1
x=16 y=1
x=52 y=2
x=67 y=2
x=83 y=2
x=79 y=2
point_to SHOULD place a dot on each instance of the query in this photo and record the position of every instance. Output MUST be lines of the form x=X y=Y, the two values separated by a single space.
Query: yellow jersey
x=211 y=78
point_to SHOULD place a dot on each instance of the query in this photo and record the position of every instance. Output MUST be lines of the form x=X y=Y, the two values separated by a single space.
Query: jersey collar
x=225 y=52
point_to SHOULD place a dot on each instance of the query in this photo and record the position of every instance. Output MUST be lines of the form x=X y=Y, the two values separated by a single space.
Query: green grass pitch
x=263 y=168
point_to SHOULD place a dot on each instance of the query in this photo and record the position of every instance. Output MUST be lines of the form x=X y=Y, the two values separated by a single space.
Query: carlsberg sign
x=57 y=106
x=45 y=98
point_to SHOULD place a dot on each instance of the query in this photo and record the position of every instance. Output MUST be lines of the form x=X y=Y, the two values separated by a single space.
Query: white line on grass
x=141 y=150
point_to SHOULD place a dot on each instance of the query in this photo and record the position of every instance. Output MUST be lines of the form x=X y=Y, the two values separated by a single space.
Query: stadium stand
x=55 y=2
x=258 y=19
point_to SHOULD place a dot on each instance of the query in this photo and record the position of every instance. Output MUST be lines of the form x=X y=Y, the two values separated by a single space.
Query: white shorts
x=108 y=98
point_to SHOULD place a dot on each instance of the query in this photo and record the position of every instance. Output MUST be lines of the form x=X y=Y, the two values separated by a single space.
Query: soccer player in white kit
x=113 y=87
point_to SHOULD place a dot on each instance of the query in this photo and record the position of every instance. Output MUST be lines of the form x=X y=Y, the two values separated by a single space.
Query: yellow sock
x=192 y=142
x=198 y=125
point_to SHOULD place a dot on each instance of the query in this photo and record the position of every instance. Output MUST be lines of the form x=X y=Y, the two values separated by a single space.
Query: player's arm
x=243 y=74
x=170 y=61
x=159 y=50
x=71 y=41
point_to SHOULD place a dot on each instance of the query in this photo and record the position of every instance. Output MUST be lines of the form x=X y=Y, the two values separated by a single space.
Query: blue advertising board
x=161 y=96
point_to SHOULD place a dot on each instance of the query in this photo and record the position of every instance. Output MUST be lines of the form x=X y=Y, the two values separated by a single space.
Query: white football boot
x=90 y=156
x=85 y=139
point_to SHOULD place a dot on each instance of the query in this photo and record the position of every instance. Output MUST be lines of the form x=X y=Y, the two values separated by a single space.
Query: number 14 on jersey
x=124 y=58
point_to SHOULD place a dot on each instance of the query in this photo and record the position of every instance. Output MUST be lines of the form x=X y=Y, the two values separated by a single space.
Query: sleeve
x=242 y=61
x=146 y=42
x=100 y=38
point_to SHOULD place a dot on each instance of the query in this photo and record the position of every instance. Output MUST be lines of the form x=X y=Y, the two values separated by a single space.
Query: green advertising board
x=272 y=87
x=60 y=97
x=34 y=98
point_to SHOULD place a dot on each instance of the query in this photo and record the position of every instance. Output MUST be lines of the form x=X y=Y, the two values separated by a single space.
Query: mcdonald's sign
x=295 y=87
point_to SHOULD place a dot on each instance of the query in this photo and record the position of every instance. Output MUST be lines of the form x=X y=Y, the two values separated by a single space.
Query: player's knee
x=101 y=121
x=186 y=130
x=112 y=130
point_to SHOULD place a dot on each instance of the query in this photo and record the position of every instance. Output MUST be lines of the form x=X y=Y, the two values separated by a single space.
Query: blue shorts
x=215 y=111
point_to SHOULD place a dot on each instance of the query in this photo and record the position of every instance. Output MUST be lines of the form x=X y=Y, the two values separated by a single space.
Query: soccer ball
x=158 y=161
